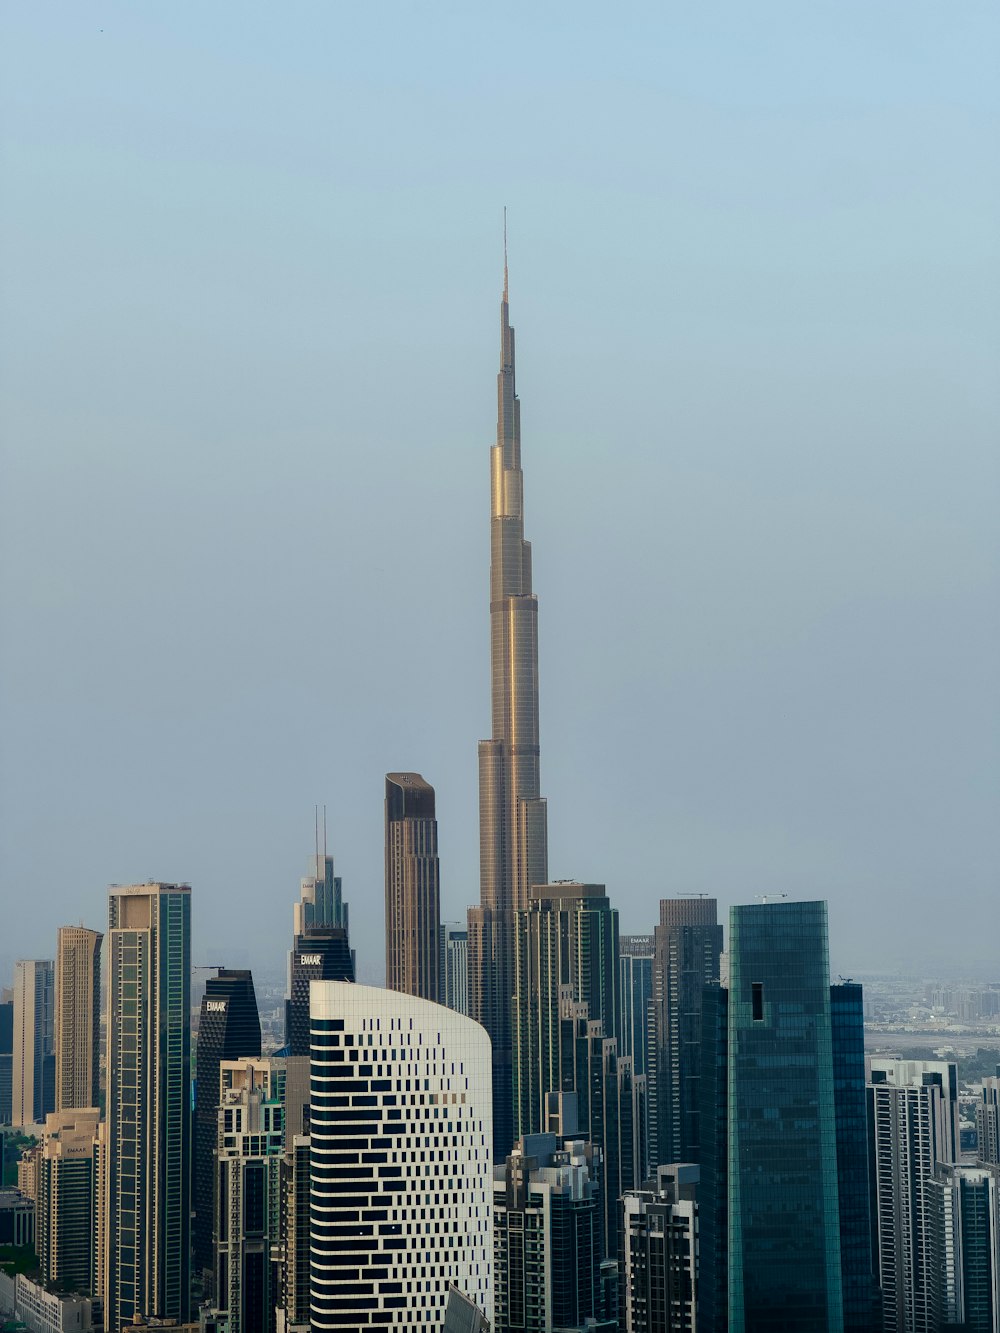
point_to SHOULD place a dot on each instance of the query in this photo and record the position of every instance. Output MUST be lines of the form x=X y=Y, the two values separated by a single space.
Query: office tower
x=964 y=1270
x=250 y=1146
x=913 y=1118
x=566 y=943
x=412 y=887
x=659 y=1276
x=148 y=1104
x=862 y=1302
x=33 y=1079
x=321 y=897
x=988 y=1121
x=228 y=1029
x=550 y=1271
x=6 y=1061
x=636 y=972
x=401 y=1130
x=461 y=1316
x=67 y=1200
x=713 y=1166
x=78 y=1018
x=687 y=946
x=293 y=1313
x=783 y=1221
x=322 y=953
x=454 y=985
x=512 y=819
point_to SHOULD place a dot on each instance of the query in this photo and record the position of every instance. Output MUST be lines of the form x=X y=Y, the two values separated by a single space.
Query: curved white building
x=401 y=1174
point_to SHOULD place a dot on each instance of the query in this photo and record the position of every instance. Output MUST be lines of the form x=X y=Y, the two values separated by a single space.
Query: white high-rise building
x=401 y=1162
x=913 y=1110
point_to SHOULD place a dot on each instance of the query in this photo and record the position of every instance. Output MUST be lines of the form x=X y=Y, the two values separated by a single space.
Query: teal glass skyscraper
x=783 y=1212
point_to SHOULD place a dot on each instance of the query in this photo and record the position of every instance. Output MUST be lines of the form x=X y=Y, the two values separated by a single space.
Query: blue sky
x=250 y=263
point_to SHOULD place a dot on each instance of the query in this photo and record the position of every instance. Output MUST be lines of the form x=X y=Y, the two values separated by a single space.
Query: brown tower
x=412 y=887
x=513 y=851
x=78 y=1017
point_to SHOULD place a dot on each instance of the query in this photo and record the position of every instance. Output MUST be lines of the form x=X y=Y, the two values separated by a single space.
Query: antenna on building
x=768 y=897
x=316 y=830
x=505 y=252
x=324 y=836
x=692 y=895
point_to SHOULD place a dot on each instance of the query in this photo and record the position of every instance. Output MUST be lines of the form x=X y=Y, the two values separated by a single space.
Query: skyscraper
x=400 y=1159
x=549 y=1265
x=78 y=1018
x=321 y=894
x=412 y=887
x=321 y=947
x=913 y=1115
x=659 y=1277
x=988 y=1121
x=784 y=1239
x=964 y=1253
x=512 y=818
x=33 y=1069
x=6 y=1060
x=566 y=941
x=636 y=972
x=148 y=1104
x=687 y=949
x=454 y=986
x=67 y=1200
x=228 y=1029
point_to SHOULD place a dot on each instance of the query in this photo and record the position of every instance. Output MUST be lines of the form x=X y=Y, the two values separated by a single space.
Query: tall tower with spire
x=513 y=852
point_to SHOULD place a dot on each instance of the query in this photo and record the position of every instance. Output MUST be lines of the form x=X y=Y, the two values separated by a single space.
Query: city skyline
x=775 y=488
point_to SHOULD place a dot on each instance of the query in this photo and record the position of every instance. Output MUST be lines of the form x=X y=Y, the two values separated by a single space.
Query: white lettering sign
x=215 y=1006
x=309 y=959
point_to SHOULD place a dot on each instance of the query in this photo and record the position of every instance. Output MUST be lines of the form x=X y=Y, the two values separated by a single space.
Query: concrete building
x=550 y=1268
x=78 y=1018
x=228 y=1029
x=412 y=887
x=42 y=1311
x=913 y=1117
x=148 y=1182
x=33 y=1065
x=965 y=1249
x=27 y=1171
x=68 y=1197
x=401 y=1139
x=659 y=1273
x=454 y=984
x=17 y=1218
x=988 y=1121
x=513 y=838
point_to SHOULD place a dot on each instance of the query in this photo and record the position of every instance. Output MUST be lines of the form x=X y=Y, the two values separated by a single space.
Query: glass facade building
x=784 y=1225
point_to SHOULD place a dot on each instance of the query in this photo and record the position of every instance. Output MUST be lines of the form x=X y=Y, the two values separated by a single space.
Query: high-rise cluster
x=536 y=1124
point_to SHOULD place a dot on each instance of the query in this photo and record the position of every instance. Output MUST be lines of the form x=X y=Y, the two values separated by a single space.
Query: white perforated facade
x=401 y=1166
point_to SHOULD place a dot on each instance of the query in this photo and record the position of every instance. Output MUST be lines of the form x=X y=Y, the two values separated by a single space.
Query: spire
x=505 y=252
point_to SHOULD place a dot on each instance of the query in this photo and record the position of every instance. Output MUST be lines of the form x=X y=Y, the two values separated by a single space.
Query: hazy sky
x=251 y=259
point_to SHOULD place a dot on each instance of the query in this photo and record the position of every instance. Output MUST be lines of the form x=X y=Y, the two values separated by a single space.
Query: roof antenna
x=324 y=836
x=316 y=814
x=505 y=252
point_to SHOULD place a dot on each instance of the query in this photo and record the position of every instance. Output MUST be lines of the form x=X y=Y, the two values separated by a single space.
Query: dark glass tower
x=323 y=953
x=784 y=1223
x=228 y=1029
x=412 y=887
x=862 y=1307
x=6 y=1060
x=687 y=947
x=512 y=816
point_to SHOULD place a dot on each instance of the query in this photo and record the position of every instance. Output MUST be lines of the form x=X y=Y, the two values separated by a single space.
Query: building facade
x=784 y=1263
x=323 y=953
x=6 y=1061
x=454 y=985
x=228 y=1029
x=148 y=1185
x=913 y=1118
x=412 y=887
x=78 y=1018
x=687 y=946
x=551 y=1272
x=513 y=837
x=988 y=1121
x=659 y=1271
x=635 y=962
x=68 y=1197
x=401 y=1135
x=33 y=1091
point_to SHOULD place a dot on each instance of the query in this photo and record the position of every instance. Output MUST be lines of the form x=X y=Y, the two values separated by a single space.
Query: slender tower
x=512 y=819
